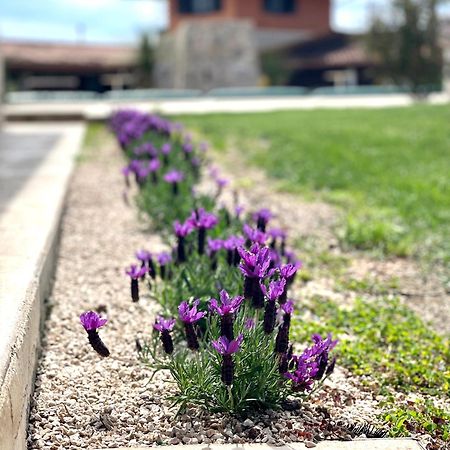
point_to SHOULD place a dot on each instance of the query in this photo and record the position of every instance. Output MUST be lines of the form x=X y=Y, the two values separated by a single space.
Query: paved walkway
x=20 y=155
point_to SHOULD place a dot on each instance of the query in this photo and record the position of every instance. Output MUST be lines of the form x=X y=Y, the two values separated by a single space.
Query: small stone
x=310 y=444
x=174 y=441
x=254 y=432
x=248 y=423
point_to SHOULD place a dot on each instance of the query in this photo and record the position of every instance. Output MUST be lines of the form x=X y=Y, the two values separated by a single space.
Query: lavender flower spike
x=189 y=316
x=165 y=326
x=203 y=221
x=276 y=288
x=182 y=230
x=254 y=236
x=91 y=321
x=227 y=348
x=254 y=266
x=164 y=258
x=226 y=311
x=261 y=218
x=228 y=305
x=134 y=273
x=174 y=177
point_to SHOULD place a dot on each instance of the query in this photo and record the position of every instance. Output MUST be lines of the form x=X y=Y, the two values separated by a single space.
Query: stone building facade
x=217 y=43
x=205 y=55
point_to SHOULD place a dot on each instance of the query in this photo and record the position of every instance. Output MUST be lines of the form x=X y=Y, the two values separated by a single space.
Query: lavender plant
x=223 y=332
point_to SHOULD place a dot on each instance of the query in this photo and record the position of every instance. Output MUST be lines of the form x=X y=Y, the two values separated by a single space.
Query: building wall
x=208 y=55
x=309 y=15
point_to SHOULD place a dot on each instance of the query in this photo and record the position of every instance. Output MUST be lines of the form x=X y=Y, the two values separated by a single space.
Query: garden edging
x=30 y=229
x=359 y=444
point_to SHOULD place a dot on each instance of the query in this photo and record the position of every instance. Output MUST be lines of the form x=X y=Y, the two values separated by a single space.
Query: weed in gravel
x=419 y=417
x=384 y=340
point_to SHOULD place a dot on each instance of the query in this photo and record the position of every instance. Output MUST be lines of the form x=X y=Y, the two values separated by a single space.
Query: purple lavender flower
x=221 y=184
x=153 y=167
x=203 y=147
x=254 y=236
x=143 y=256
x=164 y=258
x=231 y=245
x=312 y=364
x=254 y=262
x=187 y=147
x=162 y=324
x=275 y=289
x=182 y=230
x=303 y=377
x=142 y=172
x=150 y=149
x=282 y=339
x=239 y=209
x=261 y=218
x=288 y=307
x=174 y=177
x=213 y=247
x=226 y=310
x=275 y=234
x=166 y=148
x=288 y=273
x=135 y=273
x=91 y=322
x=203 y=221
x=227 y=348
x=165 y=326
x=189 y=316
x=146 y=261
x=254 y=266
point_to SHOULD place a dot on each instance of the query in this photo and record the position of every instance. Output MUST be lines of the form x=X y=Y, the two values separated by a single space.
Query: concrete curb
x=101 y=110
x=359 y=444
x=30 y=229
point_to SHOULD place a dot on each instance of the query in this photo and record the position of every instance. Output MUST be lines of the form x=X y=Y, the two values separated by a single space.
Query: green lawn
x=389 y=169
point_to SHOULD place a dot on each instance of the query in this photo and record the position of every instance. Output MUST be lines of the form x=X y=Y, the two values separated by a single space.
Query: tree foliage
x=405 y=41
x=145 y=62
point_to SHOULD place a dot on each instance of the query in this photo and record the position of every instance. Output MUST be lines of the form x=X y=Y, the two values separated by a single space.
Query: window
x=280 y=6
x=198 y=6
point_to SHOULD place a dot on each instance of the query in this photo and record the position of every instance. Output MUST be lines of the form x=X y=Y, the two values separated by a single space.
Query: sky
x=122 y=21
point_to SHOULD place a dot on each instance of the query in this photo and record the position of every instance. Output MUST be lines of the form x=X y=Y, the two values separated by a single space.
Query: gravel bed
x=82 y=401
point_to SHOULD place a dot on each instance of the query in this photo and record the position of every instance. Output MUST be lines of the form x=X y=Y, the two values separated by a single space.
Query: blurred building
x=276 y=22
x=57 y=66
x=231 y=43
